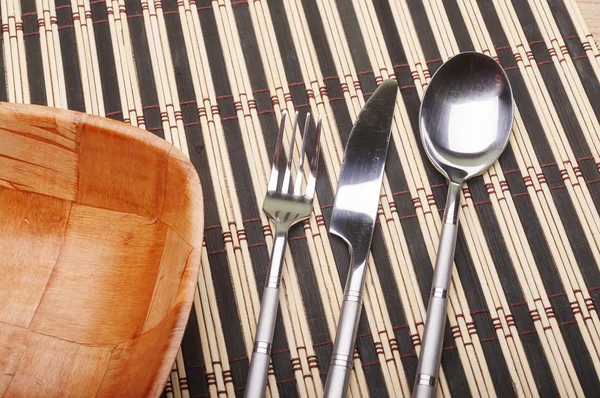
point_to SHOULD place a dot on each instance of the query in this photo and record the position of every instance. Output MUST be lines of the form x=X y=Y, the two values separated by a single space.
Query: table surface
x=591 y=13
x=525 y=300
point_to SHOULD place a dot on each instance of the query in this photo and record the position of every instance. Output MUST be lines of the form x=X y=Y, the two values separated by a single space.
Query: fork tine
x=285 y=187
x=275 y=168
x=298 y=180
x=311 y=185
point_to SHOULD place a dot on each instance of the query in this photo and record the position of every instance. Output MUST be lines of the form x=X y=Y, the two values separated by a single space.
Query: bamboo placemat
x=213 y=77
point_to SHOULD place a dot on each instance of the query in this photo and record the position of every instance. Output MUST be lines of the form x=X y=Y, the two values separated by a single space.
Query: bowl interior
x=100 y=239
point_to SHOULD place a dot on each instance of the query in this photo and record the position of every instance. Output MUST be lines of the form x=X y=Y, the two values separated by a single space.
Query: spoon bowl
x=465 y=122
x=466 y=115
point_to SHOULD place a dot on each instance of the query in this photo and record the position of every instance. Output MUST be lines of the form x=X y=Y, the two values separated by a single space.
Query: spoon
x=465 y=122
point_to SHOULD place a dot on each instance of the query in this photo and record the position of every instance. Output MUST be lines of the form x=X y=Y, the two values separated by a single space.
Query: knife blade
x=353 y=219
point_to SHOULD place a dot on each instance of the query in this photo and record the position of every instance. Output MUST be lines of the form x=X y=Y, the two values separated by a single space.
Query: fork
x=285 y=206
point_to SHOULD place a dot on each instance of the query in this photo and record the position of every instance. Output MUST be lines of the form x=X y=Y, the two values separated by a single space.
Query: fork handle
x=261 y=354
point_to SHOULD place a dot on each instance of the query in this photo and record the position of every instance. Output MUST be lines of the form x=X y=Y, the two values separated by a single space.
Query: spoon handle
x=431 y=350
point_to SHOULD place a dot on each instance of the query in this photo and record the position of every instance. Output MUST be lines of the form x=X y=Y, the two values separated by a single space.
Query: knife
x=353 y=219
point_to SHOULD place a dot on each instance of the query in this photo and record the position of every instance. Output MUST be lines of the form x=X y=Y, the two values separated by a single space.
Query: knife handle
x=433 y=337
x=340 y=365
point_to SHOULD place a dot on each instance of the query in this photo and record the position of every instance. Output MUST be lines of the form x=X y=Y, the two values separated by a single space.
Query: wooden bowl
x=100 y=239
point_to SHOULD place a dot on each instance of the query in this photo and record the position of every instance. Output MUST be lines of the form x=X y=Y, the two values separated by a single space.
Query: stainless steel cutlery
x=465 y=120
x=286 y=206
x=353 y=219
